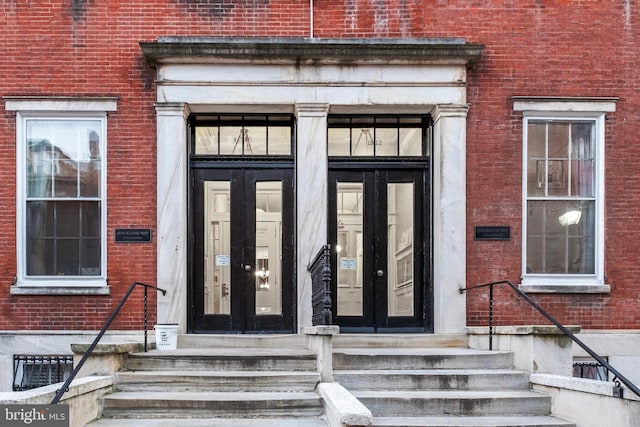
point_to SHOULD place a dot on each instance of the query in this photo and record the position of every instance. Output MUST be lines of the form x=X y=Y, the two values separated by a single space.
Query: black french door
x=378 y=228
x=243 y=251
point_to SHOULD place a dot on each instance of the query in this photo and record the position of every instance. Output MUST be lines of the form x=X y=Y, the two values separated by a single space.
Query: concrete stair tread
x=206 y=422
x=452 y=351
x=215 y=341
x=228 y=352
x=447 y=394
x=211 y=395
x=400 y=340
x=472 y=421
x=213 y=373
x=452 y=371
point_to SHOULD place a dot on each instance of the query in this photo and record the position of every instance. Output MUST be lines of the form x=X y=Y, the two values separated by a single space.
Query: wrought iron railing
x=32 y=371
x=85 y=356
x=618 y=377
x=320 y=269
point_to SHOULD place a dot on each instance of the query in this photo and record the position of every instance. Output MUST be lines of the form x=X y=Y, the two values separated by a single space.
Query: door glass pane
x=217 y=247
x=400 y=219
x=349 y=248
x=268 y=265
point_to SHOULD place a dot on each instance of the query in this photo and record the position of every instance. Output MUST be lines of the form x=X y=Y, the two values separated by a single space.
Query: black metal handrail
x=320 y=269
x=527 y=298
x=85 y=356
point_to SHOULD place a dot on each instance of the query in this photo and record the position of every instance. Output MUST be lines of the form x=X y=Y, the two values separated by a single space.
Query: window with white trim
x=563 y=191
x=61 y=193
x=561 y=197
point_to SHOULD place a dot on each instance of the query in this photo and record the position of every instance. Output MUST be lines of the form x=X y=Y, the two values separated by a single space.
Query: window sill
x=565 y=289
x=79 y=289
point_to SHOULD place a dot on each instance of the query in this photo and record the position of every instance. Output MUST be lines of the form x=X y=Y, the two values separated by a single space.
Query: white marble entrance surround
x=312 y=78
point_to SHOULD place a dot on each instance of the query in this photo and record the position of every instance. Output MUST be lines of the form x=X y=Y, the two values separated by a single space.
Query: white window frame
x=567 y=109
x=57 y=109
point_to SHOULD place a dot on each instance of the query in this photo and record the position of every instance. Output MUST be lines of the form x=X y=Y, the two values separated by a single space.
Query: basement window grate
x=33 y=371
x=591 y=370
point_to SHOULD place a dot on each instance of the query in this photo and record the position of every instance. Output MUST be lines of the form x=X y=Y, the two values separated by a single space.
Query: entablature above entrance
x=178 y=50
x=289 y=71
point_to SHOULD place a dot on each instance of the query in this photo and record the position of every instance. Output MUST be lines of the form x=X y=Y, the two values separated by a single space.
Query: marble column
x=171 y=238
x=449 y=217
x=311 y=197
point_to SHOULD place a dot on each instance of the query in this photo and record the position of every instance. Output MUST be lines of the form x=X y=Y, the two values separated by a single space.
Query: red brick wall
x=533 y=47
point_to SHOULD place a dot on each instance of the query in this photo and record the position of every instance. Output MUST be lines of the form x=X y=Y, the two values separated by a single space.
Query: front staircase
x=435 y=381
x=226 y=381
x=404 y=380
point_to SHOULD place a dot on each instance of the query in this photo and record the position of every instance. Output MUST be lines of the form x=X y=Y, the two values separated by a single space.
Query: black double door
x=243 y=251
x=378 y=228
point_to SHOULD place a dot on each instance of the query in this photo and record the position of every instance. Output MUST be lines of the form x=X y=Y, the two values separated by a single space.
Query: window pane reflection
x=57 y=233
x=268 y=264
x=349 y=248
x=560 y=238
x=217 y=250
x=400 y=249
x=63 y=197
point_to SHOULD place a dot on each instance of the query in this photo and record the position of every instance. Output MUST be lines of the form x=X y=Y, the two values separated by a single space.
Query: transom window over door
x=377 y=136
x=563 y=189
x=242 y=135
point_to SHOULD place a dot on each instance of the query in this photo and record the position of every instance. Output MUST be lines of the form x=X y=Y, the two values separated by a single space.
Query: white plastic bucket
x=166 y=336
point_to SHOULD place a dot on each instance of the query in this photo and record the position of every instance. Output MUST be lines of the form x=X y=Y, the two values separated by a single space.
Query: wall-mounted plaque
x=133 y=235
x=492 y=232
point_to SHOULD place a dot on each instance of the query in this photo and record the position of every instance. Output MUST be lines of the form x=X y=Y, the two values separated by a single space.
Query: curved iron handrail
x=527 y=298
x=320 y=269
x=65 y=387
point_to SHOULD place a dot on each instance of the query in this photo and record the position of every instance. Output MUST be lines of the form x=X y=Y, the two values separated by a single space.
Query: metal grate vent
x=590 y=370
x=32 y=371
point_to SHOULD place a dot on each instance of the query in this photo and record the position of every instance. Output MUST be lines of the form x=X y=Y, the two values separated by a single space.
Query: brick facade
x=568 y=48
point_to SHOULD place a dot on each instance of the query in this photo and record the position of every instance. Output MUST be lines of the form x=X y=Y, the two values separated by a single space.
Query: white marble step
x=217 y=380
x=212 y=404
x=463 y=403
x=452 y=421
x=210 y=422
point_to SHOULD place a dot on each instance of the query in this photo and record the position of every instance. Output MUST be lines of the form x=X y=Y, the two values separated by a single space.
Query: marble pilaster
x=171 y=240
x=311 y=196
x=449 y=217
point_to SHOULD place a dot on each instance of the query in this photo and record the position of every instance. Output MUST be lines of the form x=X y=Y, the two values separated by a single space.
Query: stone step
x=462 y=403
x=400 y=340
x=452 y=421
x=420 y=358
x=217 y=381
x=433 y=379
x=216 y=341
x=223 y=359
x=210 y=422
x=167 y=405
